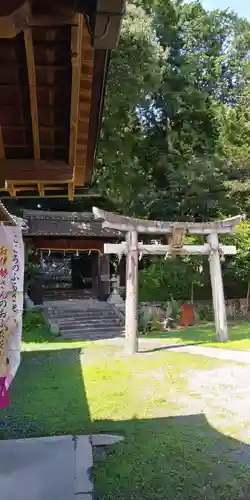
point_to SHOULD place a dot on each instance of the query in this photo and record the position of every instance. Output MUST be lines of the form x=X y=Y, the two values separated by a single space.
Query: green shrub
x=164 y=279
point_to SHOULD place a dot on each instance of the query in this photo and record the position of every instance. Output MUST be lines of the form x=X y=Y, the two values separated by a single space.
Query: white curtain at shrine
x=11 y=297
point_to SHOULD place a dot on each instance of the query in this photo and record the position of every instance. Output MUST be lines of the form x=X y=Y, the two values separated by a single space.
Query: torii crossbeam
x=176 y=231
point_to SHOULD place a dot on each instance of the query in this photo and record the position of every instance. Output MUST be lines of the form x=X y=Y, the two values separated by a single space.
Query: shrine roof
x=54 y=58
x=70 y=224
x=9 y=219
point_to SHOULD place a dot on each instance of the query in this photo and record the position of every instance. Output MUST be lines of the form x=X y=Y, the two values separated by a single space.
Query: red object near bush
x=187 y=317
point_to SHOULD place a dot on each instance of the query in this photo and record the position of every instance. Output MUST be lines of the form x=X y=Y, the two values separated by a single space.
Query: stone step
x=88 y=321
x=94 y=329
x=90 y=329
x=85 y=312
x=84 y=319
x=88 y=313
x=62 y=298
x=77 y=304
x=92 y=336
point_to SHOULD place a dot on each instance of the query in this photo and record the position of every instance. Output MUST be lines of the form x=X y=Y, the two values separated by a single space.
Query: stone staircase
x=85 y=319
x=66 y=294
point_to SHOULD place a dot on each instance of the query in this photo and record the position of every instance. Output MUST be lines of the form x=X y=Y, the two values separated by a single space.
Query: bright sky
x=241 y=7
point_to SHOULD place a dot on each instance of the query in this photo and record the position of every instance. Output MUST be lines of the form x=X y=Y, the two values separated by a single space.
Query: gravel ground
x=225 y=389
x=223 y=396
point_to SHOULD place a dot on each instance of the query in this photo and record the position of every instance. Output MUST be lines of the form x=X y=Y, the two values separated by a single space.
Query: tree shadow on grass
x=169 y=347
x=180 y=457
x=48 y=396
x=172 y=458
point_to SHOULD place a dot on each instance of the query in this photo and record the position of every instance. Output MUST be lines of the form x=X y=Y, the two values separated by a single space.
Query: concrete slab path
x=214 y=352
x=151 y=345
x=58 y=468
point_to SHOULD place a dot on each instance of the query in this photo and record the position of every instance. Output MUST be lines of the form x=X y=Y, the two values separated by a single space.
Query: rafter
x=2 y=152
x=76 y=52
x=71 y=191
x=11 y=189
x=40 y=187
x=56 y=19
x=14 y=20
x=32 y=90
x=34 y=172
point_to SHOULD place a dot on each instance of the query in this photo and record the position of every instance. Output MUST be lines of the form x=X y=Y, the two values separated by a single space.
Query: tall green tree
x=236 y=270
x=173 y=73
x=206 y=68
x=135 y=72
x=234 y=148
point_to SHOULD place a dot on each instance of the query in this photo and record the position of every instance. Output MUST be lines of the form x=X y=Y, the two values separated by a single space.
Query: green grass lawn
x=239 y=336
x=170 y=450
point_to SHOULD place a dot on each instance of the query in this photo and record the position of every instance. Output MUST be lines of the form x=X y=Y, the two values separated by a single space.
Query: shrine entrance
x=70 y=274
x=85 y=271
x=175 y=233
x=68 y=248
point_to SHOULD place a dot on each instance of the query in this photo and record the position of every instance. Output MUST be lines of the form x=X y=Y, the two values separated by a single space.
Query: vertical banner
x=16 y=303
x=11 y=304
x=6 y=255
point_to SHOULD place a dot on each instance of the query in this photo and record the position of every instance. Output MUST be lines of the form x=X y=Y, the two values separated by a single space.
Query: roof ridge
x=51 y=214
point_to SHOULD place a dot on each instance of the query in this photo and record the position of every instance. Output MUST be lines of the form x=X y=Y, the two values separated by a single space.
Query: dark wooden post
x=105 y=274
x=132 y=292
x=122 y=274
x=95 y=257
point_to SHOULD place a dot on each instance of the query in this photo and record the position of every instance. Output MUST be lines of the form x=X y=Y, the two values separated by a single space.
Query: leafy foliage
x=171 y=146
x=168 y=279
x=135 y=72
x=238 y=267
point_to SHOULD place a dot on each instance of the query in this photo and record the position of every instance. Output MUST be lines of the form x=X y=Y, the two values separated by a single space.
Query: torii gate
x=176 y=232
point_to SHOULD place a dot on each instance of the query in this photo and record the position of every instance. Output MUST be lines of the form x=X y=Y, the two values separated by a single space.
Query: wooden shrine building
x=68 y=250
x=54 y=57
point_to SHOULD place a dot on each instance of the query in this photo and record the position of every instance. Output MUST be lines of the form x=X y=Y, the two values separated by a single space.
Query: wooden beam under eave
x=32 y=90
x=21 y=172
x=11 y=189
x=40 y=189
x=56 y=19
x=76 y=51
x=71 y=191
x=13 y=19
x=2 y=152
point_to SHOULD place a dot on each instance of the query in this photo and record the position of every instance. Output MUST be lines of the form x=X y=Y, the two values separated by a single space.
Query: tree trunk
x=247 y=302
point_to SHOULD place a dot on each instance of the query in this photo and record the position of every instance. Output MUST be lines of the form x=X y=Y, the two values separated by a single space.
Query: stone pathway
x=214 y=352
x=58 y=467
x=151 y=345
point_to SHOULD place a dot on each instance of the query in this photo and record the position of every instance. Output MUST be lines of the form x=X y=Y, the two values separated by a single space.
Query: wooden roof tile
x=70 y=224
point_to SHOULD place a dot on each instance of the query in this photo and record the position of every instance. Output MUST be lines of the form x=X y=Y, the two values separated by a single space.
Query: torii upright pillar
x=219 y=307
x=131 y=309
